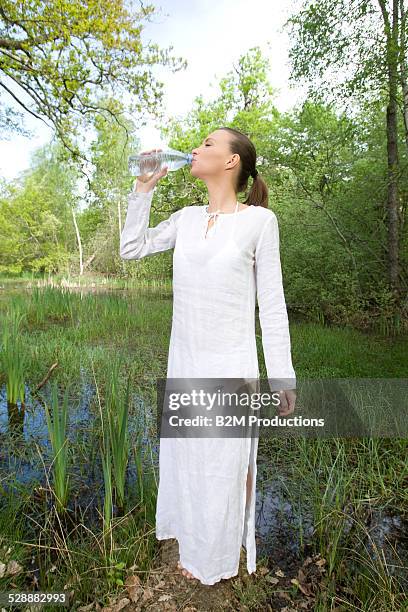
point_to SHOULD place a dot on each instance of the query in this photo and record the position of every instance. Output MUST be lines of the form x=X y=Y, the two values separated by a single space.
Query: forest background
x=335 y=164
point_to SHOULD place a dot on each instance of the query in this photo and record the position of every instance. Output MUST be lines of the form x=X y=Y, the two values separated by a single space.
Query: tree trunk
x=404 y=87
x=403 y=71
x=81 y=265
x=392 y=149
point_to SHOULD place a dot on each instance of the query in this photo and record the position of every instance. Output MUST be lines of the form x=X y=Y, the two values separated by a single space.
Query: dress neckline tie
x=215 y=215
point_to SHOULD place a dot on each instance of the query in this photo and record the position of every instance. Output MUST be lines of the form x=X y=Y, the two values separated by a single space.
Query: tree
x=63 y=55
x=36 y=229
x=350 y=50
x=100 y=224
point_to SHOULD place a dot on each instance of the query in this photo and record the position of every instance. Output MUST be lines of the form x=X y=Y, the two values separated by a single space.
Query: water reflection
x=24 y=441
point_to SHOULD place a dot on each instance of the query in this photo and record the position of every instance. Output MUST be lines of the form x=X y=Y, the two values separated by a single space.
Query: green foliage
x=64 y=54
x=326 y=171
x=338 y=49
x=36 y=230
x=116 y=572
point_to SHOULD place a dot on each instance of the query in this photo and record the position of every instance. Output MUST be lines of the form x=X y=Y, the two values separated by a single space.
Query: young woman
x=226 y=255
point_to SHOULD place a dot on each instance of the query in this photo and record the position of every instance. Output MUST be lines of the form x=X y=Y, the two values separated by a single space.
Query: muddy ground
x=268 y=589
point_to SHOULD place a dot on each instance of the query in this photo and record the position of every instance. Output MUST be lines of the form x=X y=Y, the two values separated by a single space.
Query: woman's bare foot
x=185 y=572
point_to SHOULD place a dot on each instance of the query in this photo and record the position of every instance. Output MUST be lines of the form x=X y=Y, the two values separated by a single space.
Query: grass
x=117 y=406
x=342 y=480
x=12 y=356
x=57 y=429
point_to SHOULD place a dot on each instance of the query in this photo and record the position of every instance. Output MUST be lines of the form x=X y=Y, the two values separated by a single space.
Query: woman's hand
x=287 y=402
x=146 y=182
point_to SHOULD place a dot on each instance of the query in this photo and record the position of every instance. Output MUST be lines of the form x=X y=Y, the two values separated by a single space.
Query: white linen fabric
x=217 y=276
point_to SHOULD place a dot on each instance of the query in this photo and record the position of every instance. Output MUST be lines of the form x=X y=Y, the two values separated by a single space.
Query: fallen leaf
x=86 y=608
x=133 y=587
x=302 y=587
x=164 y=597
x=147 y=594
x=117 y=606
x=122 y=604
x=306 y=605
x=283 y=595
x=13 y=568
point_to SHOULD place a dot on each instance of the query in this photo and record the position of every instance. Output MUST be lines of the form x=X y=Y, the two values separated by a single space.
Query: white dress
x=216 y=280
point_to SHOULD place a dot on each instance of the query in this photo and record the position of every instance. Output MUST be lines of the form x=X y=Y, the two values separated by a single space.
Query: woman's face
x=213 y=157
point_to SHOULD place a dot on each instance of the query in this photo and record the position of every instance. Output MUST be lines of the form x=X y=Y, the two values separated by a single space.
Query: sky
x=211 y=36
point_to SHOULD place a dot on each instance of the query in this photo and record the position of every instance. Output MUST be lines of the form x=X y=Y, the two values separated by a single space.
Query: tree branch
x=23 y=105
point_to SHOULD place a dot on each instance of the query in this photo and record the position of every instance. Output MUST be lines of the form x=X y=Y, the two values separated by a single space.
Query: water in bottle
x=154 y=162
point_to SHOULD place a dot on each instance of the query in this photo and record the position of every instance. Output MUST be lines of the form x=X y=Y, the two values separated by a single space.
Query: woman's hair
x=241 y=144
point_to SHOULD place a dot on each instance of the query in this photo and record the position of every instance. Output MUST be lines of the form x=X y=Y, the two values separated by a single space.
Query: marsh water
x=25 y=456
x=286 y=525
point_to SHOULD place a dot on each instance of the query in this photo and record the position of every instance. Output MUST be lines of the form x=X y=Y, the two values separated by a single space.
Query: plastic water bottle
x=154 y=162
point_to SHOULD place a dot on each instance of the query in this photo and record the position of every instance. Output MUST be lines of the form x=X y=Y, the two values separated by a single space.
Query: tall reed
x=107 y=477
x=12 y=356
x=146 y=485
x=57 y=429
x=114 y=569
x=117 y=405
x=52 y=304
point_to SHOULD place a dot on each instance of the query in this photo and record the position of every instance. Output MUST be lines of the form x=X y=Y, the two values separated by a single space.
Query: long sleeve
x=273 y=315
x=137 y=239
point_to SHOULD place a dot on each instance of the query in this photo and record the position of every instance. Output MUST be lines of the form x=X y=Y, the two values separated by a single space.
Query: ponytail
x=258 y=193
